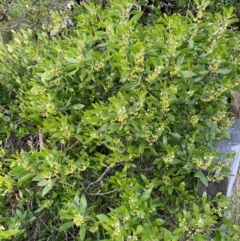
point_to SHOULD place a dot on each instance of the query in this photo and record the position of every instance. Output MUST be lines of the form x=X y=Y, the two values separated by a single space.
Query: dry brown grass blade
x=40 y=136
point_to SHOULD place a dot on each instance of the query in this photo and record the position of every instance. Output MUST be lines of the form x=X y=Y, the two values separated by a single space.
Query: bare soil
x=235 y=199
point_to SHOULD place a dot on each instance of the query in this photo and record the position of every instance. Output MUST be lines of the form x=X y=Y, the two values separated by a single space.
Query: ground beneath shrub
x=235 y=199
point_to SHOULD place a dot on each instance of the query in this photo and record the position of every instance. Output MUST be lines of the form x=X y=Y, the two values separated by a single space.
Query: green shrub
x=104 y=130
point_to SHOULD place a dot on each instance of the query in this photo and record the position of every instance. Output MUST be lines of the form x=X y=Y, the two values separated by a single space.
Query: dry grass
x=235 y=199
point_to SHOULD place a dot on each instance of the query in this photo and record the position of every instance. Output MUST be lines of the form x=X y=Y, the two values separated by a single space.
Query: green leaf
x=54 y=31
x=76 y=201
x=188 y=74
x=124 y=75
x=223 y=71
x=113 y=127
x=129 y=86
x=102 y=218
x=191 y=43
x=137 y=15
x=37 y=178
x=226 y=134
x=197 y=237
x=82 y=233
x=6 y=234
x=22 y=174
x=196 y=210
x=71 y=60
x=70 y=68
x=176 y=135
x=103 y=128
x=66 y=226
x=57 y=134
x=49 y=186
x=164 y=140
x=171 y=117
x=42 y=183
x=88 y=8
x=134 y=124
x=83 y=203
x=132 y=149
x=204 y=199
x=101 y=34
x=15 y=171
x=103 y=44
x=10 y=49
x=207 y=209
x=46 y=76
x=144 y=178
x=139 y=230
x=236 y=228
x=175 y=238
x=202 y=177
x=26 y=177
x=107 y=228
x=145 y=195
x=170 y=190
x=141 y=148
x=78 y=106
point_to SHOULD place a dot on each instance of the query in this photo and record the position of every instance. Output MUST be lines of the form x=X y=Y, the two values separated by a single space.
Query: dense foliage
x=105 y=128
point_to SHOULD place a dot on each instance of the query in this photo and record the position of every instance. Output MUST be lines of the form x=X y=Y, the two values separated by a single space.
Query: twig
x=40 y=136
x=99 y=179
x=104 y=193
x=73 y=145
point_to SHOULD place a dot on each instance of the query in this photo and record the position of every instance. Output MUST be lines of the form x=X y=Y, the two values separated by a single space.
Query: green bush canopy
x=105 y=129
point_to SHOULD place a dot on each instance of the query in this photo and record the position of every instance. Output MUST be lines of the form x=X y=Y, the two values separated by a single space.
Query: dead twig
x=73 y=145
x=104 y=193
x=40 y=137
x=100 y=178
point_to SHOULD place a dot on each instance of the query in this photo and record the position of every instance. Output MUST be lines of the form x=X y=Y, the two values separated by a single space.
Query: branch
x=99 y=179
x=73 y=145
x=104 y=193
x=40 y=136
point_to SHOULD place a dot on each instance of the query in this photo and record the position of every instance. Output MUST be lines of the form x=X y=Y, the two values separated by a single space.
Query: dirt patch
x=235 y=199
